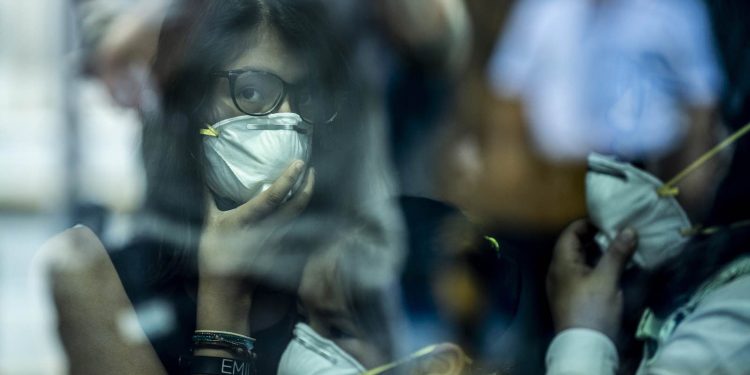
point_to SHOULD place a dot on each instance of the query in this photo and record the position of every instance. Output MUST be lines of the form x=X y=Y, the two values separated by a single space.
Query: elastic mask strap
x=212 y=132
x=670 y=190
x=297 y=128
x=416 y=355
x=209 y=131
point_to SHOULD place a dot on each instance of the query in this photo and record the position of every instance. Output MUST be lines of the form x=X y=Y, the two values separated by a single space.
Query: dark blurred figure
x=491 y=171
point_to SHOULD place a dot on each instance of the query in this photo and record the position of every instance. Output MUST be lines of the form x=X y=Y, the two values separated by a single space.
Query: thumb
x=612 y=263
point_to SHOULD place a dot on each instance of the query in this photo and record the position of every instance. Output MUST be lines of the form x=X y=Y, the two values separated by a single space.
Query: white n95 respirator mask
x=244 y=155
x=619 y=195
x=311 y=354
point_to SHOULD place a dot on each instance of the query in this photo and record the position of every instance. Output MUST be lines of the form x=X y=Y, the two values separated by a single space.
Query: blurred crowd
x=378 y=187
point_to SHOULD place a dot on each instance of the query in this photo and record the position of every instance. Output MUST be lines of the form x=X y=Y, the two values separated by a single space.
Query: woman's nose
x=285 y=106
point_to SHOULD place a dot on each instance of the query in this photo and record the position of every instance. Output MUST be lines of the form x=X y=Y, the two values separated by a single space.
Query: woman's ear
x=445 y=359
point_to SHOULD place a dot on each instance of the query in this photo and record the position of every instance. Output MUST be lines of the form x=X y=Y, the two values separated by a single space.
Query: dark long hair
x=705 y=255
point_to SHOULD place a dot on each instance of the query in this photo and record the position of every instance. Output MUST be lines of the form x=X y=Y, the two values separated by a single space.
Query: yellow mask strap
x=670 y=190
x=209 y=131
x=418 y=354
x=707 y=231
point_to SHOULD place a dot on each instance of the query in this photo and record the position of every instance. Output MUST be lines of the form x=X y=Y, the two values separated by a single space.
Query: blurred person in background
x=696 y=310
x=565 y=78
x=455 y=286
x=118 y=44
x=227 y=76
x=427 y=47
x=490 y=170
x=629 y=78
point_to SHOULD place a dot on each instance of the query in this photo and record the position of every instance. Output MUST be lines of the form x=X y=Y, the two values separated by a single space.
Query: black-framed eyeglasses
x=260 y=93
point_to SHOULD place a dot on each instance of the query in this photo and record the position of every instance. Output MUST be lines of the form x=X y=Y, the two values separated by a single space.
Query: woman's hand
x=237 y=247
x=584 y=297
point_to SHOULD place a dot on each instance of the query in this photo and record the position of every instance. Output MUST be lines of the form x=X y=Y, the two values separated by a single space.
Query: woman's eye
x=305 y=99
x=250 y=94
x=337 y=333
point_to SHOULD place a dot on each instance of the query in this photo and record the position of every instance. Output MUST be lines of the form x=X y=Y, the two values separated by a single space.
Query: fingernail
x=627 y=235
x=298 y=165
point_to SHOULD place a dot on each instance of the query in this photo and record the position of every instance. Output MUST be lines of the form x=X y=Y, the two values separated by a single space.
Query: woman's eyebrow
x=292 y=82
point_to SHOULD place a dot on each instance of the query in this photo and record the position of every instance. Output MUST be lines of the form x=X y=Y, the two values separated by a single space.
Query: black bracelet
x=220 y=366
x=240 y=344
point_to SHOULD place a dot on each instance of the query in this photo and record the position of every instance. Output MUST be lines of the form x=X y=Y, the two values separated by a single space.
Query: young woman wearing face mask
x=697 y=310
x=251 y=96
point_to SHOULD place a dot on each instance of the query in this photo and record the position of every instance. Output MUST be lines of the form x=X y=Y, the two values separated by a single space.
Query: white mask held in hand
x=309 y=353
x=244 y=155
x=619 y=196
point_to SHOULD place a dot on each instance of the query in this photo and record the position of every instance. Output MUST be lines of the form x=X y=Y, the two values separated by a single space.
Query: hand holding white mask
x=310 y=353
x=619 y=195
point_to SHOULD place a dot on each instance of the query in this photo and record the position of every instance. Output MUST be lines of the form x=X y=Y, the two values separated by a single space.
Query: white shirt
x=611 y=76
x=714 y=339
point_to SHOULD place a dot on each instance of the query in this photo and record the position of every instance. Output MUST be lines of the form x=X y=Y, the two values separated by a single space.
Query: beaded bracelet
x=241 y=344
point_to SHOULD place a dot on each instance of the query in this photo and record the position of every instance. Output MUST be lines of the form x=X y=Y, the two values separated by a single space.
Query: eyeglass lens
x=259 y=93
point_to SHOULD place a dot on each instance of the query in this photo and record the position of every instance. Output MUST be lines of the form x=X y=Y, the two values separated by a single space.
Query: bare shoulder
x=74 y=248
x=78 y=238
x=76 y=261
x=96 y=321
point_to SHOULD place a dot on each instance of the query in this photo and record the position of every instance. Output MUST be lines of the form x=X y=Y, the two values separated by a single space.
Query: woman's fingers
x=299 y=201
x=277 y=193
x=259 y=221
x=270 y=200
x=569 y=248
x=611 y=265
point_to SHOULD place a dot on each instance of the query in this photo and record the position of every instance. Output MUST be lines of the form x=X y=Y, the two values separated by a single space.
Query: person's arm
x=581 y=351
x=119 y=41
x=236 y=251
x=713 y=339
x=586 y=303
x=95 y=315
x=93 y=310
